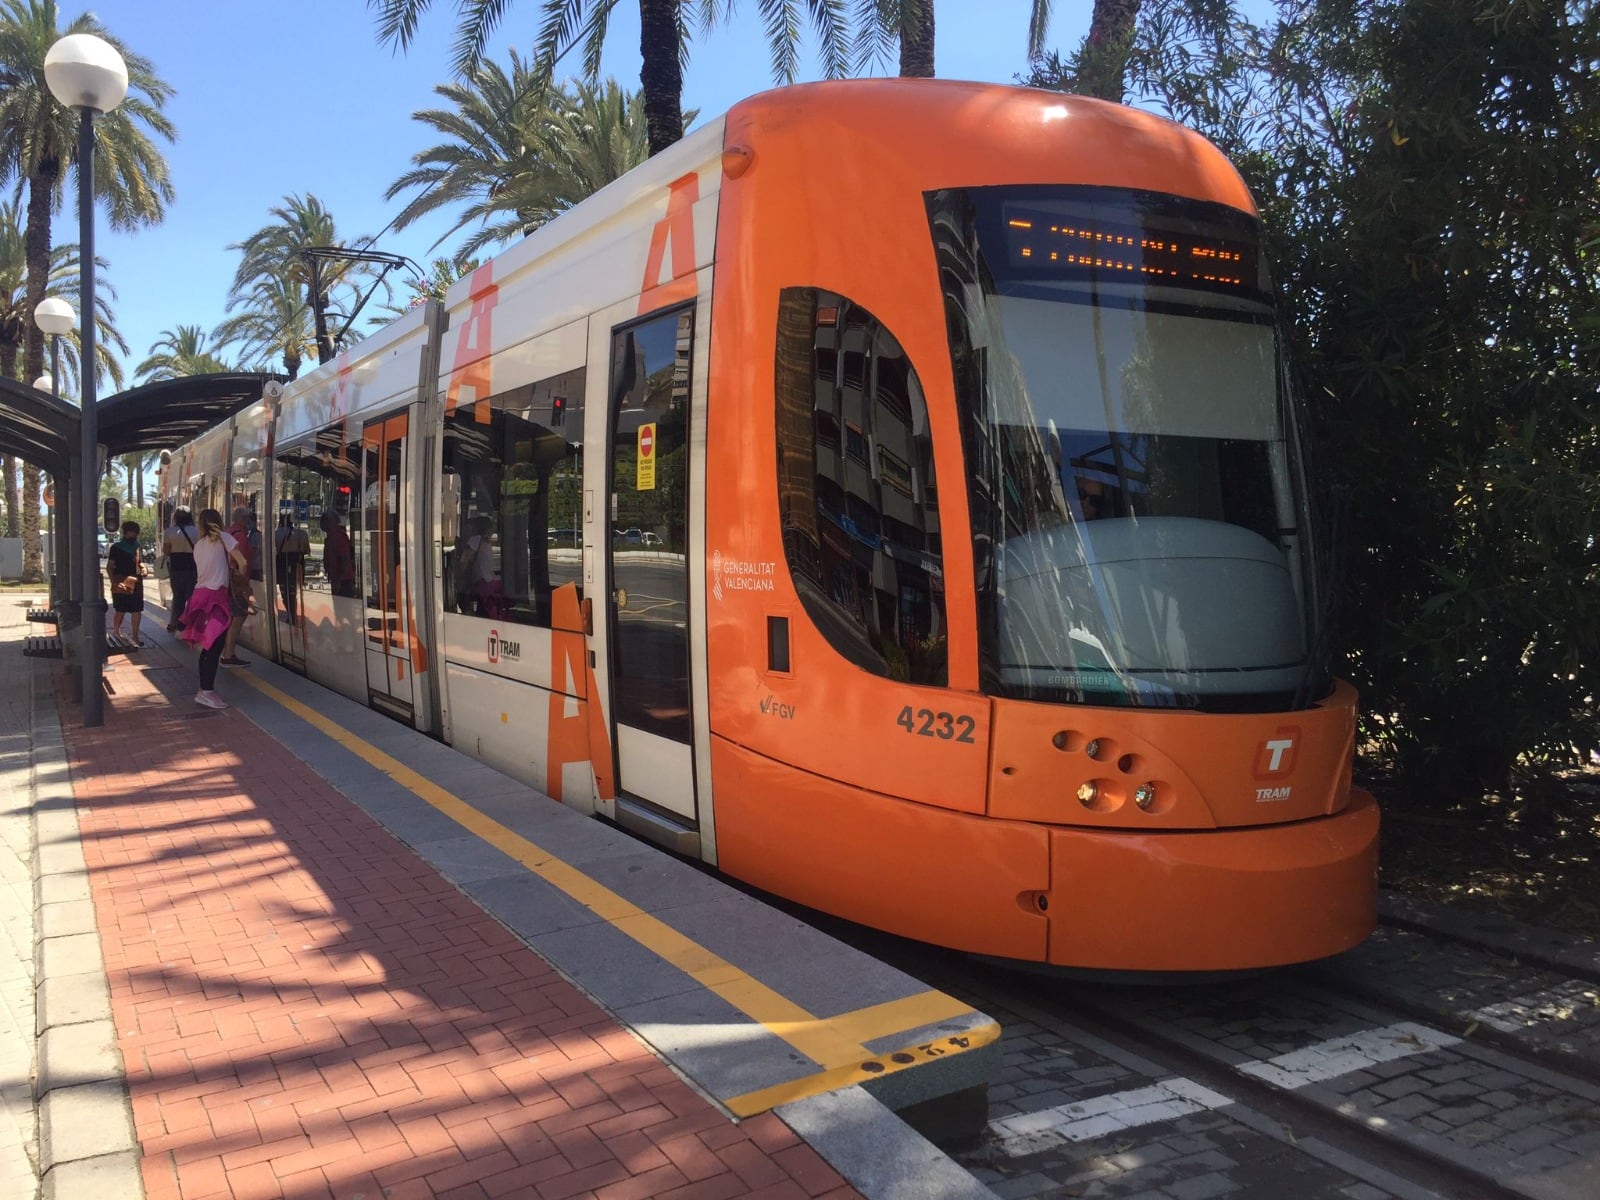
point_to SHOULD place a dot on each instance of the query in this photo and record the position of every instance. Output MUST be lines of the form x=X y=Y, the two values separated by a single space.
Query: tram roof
x=40 y=429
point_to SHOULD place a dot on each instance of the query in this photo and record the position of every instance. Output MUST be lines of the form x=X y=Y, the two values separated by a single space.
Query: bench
x=50 y=647
x=42 y=614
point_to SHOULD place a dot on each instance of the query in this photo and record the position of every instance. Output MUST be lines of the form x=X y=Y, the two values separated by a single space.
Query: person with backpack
x=177 y=551
x=209 y=615
x=242 y=597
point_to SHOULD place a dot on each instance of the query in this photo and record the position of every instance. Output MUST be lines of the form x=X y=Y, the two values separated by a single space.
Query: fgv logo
x=505 y=648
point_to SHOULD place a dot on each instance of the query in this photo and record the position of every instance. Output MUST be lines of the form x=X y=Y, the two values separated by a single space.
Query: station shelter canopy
x=38 y=428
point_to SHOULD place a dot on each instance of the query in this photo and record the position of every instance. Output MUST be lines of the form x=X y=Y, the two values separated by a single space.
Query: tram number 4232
x=924 y=722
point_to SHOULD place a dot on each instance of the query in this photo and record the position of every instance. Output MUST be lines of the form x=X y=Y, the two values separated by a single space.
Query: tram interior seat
x=1202 y=606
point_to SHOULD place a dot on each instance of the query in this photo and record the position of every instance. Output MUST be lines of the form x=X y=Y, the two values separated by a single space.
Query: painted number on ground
x=924 y=722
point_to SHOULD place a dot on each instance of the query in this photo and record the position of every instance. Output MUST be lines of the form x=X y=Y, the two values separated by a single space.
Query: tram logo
x=505 y=648
x=1276 y=756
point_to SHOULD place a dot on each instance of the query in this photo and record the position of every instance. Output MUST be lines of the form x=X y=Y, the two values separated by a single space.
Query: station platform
x=294 y=949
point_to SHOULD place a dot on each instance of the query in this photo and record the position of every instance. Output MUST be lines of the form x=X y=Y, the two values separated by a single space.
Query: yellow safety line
x=877 y=1067
x=835 y=1043
x=897 y=1016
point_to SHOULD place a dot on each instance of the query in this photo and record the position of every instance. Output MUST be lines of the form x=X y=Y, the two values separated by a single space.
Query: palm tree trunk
x=36 y=244
x=1105 y=52
x=32 y=544
x=8 y=464
x=661 y=76
x=916 y=41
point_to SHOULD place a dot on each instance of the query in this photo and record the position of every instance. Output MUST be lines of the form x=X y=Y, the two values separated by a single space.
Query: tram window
x=318 y=480
x=513 y=500
x=860 y=528
x=1128 y=476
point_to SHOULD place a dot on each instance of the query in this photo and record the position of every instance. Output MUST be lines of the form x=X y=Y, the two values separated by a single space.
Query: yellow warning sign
x=646 y=478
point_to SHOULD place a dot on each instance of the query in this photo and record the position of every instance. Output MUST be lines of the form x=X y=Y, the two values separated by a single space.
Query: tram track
x=1304 y=1121
x=1339 y=1117
x=1531 y=1006
x=1379 y=1073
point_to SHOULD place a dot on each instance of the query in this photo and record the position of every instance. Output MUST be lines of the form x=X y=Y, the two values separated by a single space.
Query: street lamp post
x=86 y=73
x=55 y=317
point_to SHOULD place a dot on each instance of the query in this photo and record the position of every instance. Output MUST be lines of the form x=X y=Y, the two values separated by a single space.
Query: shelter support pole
x=93 y=608
x=69 y=523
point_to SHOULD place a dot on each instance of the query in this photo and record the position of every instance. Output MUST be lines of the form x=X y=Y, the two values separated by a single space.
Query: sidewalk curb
x=87 y=1145
x=881 y=1156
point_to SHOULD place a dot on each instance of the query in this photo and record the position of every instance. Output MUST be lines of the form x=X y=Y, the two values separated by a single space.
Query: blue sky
x=293 y=96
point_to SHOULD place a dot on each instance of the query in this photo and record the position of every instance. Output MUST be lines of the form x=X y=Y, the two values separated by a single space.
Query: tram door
x=648 y=529
x=383 y=569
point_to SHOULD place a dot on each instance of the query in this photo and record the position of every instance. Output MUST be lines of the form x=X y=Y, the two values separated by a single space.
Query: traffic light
x=558 y=411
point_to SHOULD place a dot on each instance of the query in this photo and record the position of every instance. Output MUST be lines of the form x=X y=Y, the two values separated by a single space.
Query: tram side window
x=317 y=481
x=858 y=505
x=513 y=500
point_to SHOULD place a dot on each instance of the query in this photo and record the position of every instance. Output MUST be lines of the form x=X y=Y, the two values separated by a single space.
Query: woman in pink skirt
x=209 y=613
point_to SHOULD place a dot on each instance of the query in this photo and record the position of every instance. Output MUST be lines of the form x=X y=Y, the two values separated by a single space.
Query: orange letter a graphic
x=678 y=228
x=473 y=344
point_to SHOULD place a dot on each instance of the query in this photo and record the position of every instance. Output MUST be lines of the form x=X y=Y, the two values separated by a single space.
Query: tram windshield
x=1138 y=514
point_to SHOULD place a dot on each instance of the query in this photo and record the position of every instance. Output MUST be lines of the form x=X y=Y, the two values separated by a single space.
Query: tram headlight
x=1088 y=794
x=1144 y=796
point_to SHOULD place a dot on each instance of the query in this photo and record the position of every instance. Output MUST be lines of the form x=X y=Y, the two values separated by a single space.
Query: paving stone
x=1200 y=1187
x=1404 y=1085
x=1547 y=1158
x=1530 y=1139
x=1406 y=1108
x=342 y=973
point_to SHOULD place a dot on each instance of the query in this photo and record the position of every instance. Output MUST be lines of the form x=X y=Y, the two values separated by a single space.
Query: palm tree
x=16 y=316
x=277 y=252
x=39 y=140
x=178 y=353
x=134 y=467
x=916 y=39
x=1101 y=64
x=885 y=26
x=663 y=41
x=442 y=274
x=274 y=322
x=517 y=153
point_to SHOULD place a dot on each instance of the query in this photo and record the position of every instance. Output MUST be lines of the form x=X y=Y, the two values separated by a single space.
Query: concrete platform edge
x=86 y=1137
x=881 y=1156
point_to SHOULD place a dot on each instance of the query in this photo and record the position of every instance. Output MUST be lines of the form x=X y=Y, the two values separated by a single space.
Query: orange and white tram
x=890 y=494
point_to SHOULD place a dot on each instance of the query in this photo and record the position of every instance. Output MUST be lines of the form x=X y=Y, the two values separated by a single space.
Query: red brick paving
x=306 y=1009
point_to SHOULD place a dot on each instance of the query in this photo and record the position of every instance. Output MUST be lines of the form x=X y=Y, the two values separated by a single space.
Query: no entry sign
x=647 y=458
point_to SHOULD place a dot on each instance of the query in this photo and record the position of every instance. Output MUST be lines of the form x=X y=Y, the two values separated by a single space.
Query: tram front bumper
x=1221 y=900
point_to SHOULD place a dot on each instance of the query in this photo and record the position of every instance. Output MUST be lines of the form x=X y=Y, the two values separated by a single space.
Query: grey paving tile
x=713 y=1043
x=528 y=905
